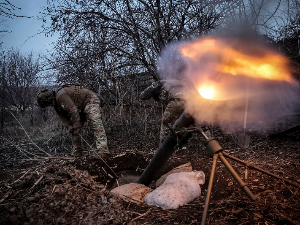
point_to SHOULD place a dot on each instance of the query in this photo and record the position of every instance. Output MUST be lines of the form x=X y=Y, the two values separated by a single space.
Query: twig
x=53 y=189
x=125 y=178
x=29 y=136
x=80 y=186
x=24 y=151
x=55 y=157
x=6 y=195
x=144 y=214
x=17 y=147
x=38 y=158
x=20 y=177
x=37 y=182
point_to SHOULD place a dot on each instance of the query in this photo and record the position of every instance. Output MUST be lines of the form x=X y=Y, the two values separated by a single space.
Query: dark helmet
x=45 y=98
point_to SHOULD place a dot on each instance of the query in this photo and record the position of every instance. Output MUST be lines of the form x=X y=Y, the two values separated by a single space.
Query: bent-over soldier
x=167 y=92
x=75 y=105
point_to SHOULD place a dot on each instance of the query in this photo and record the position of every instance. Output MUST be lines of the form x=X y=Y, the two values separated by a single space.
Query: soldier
x=74 y=105
x=169 y=93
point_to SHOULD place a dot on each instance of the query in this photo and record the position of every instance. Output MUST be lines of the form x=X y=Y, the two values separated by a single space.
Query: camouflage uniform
x=167 y=93
x=172 y=112
x=75 y=105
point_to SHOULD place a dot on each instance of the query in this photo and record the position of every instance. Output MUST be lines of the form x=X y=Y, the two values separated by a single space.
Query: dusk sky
x=24 y=32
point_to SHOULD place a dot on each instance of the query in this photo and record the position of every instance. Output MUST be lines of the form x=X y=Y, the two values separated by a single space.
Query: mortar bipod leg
x=210 y=184
x=236 y=177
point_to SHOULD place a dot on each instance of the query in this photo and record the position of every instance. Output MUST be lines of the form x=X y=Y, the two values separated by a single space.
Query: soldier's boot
x=102 y=152
x=102 y=155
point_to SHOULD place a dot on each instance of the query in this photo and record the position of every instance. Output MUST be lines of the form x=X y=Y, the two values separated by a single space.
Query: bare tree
x=267 y=17
x=8 y=10
x=289 y=39
x=124 y=37
x=18 y=82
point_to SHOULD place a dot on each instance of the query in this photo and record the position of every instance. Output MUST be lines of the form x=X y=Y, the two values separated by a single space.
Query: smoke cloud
x=250 y=81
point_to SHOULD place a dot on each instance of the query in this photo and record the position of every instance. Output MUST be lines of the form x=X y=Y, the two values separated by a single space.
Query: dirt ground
x=59 y=189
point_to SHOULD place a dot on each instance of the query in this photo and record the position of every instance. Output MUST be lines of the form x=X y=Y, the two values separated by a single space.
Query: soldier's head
x=45 y=98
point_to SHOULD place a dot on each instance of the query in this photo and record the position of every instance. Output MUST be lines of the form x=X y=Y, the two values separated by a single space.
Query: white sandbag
x=177 y=190
x=182 y=168
x=131 y=192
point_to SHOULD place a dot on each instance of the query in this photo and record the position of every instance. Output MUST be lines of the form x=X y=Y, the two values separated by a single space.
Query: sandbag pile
x=177 y=190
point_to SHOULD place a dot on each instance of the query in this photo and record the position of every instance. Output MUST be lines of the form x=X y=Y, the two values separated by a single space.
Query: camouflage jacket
x=163 y=91
x=70 y=101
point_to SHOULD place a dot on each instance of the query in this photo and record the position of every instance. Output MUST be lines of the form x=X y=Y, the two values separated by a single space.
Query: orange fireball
x=216 y=60
x=207 y=91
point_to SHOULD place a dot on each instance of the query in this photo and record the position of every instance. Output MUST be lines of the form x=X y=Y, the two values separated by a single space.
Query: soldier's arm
x=66 y=104
x=151 y=91
x=66 y=122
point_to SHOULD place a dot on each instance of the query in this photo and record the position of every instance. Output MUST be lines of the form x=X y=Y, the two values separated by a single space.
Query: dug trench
x=68 y=191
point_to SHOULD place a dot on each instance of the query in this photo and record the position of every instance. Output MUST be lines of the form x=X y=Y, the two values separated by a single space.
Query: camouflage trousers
x=93 y=117
x=172 y=112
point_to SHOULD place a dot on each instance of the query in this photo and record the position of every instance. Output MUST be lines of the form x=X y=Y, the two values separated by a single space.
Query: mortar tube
x=165 y=150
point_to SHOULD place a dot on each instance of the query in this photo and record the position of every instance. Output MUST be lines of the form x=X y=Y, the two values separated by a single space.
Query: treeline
x=18 y=85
